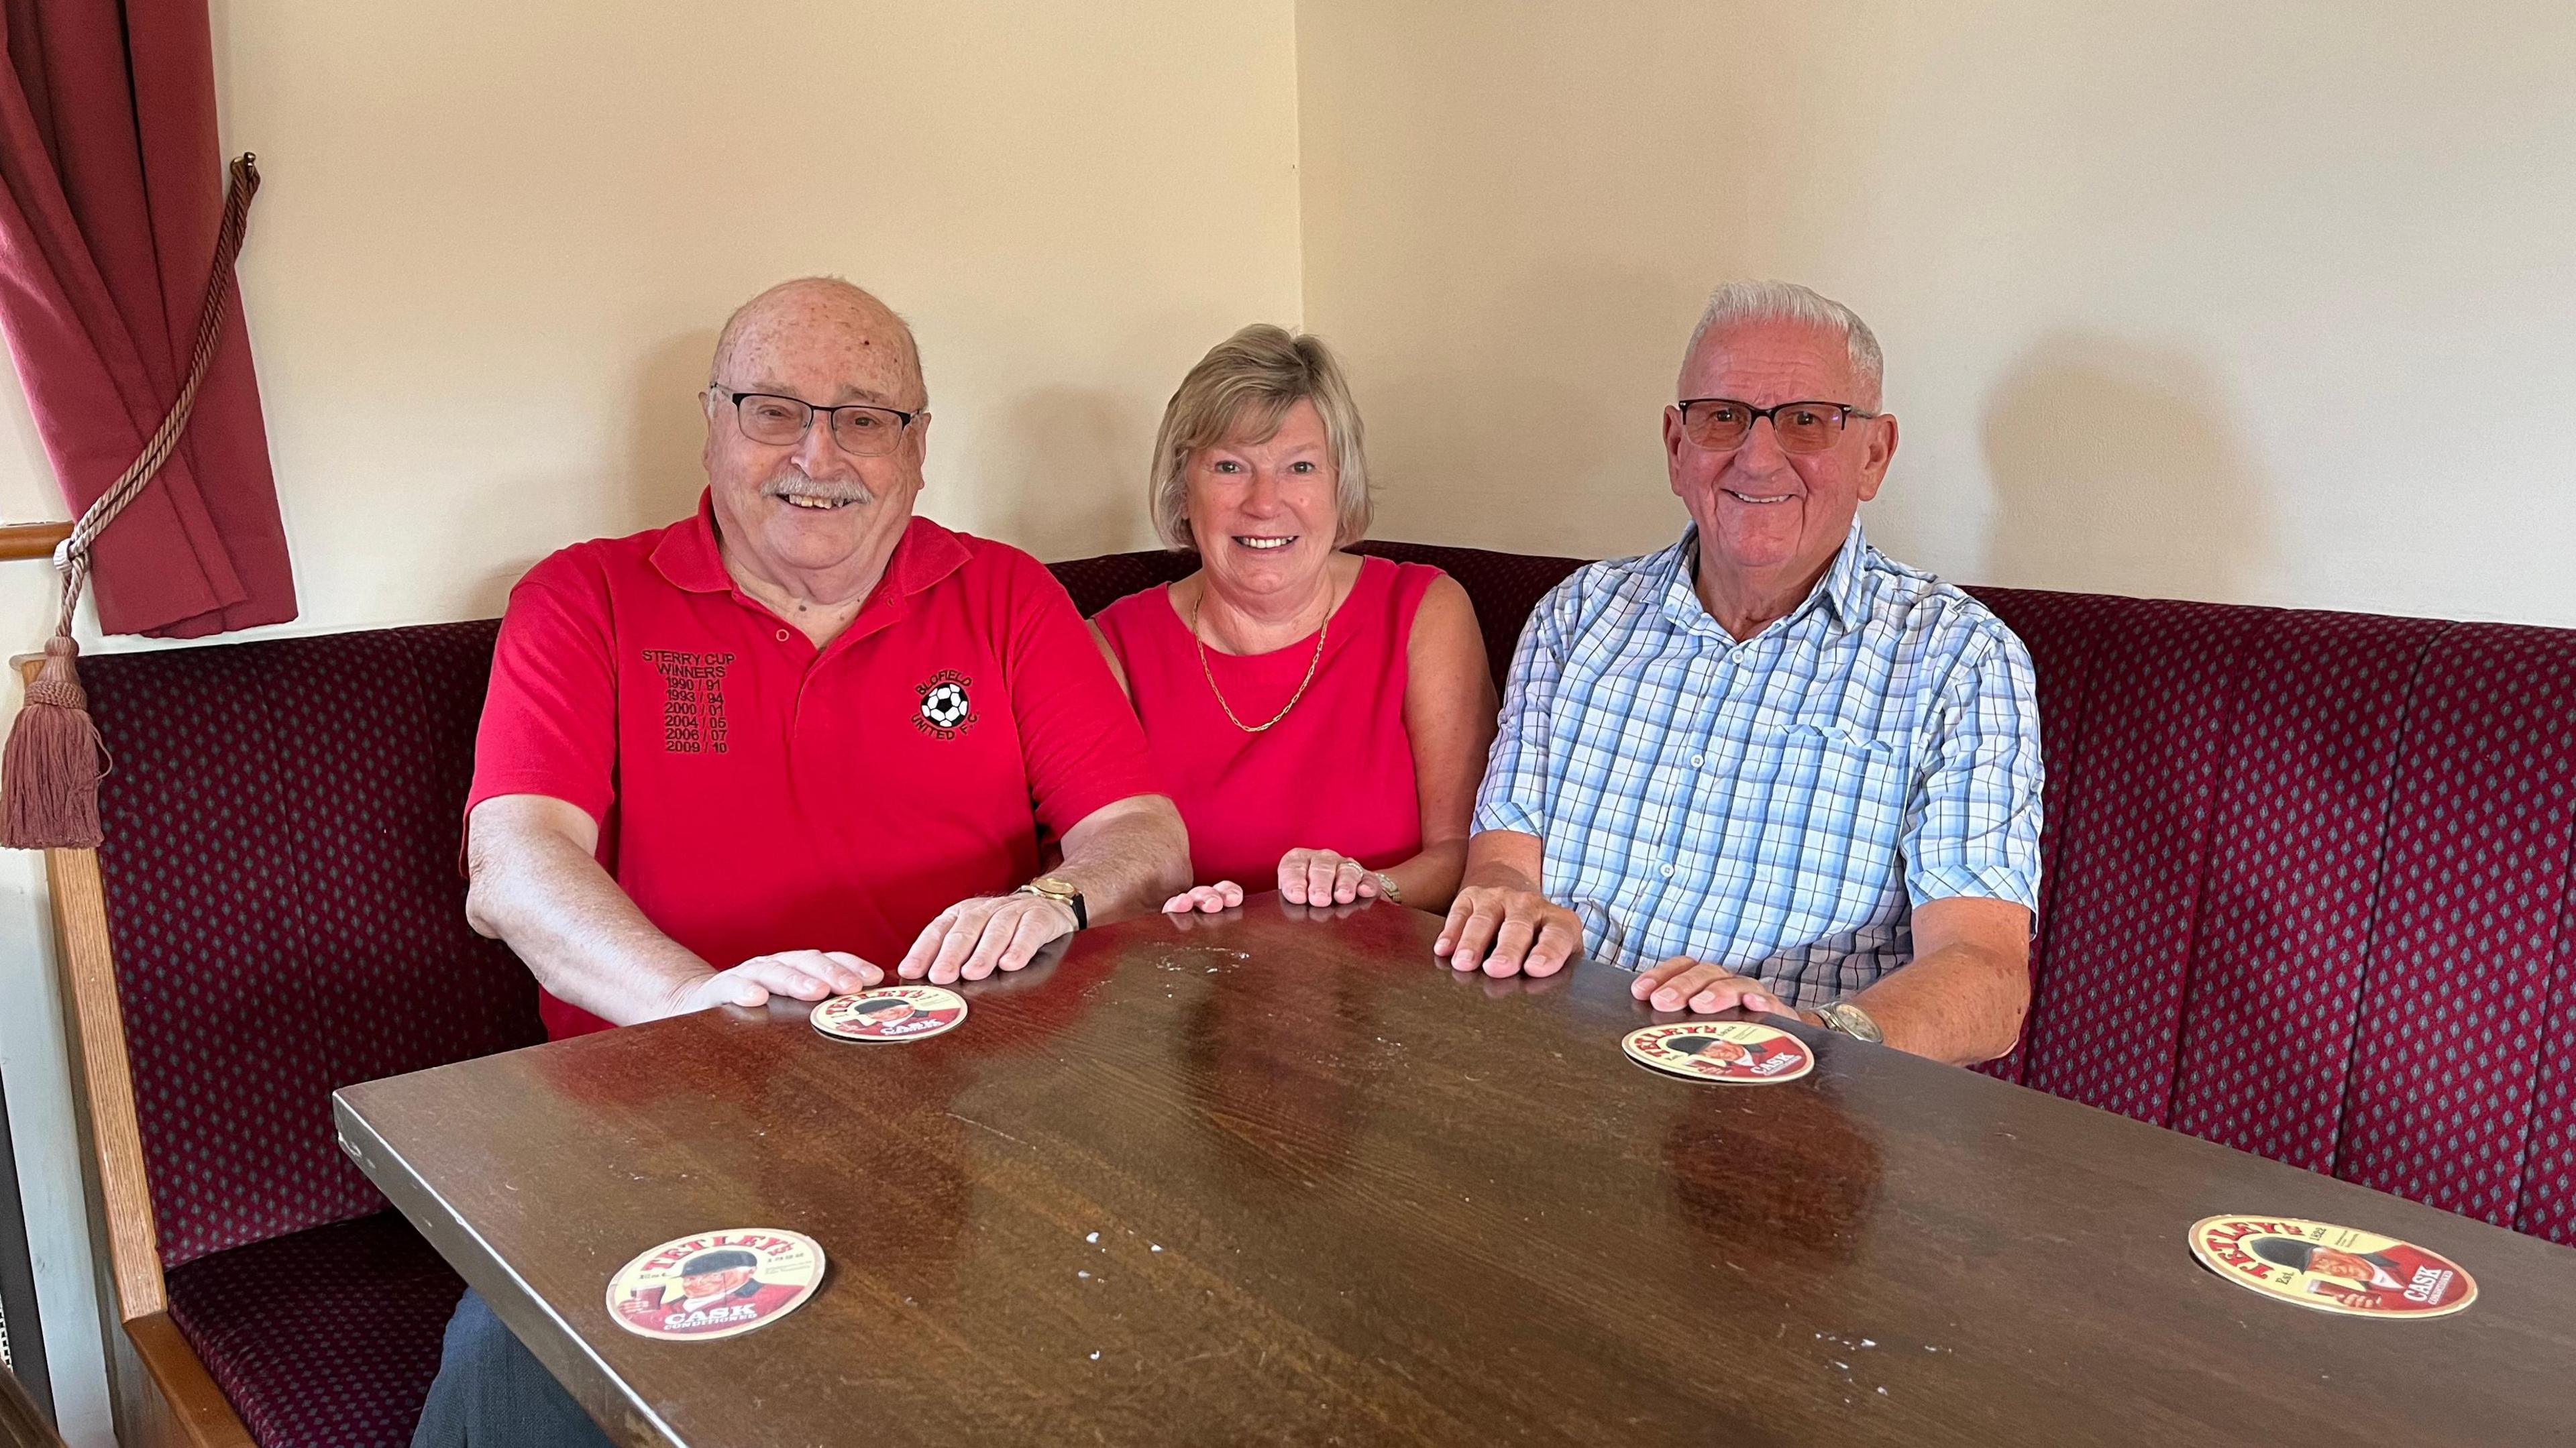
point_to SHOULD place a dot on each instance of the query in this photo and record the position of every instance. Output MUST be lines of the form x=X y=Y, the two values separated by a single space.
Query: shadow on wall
x=2119 y=469
x=654 y=480
x=1530 y=421
x=1062 y=475
x=664 y=474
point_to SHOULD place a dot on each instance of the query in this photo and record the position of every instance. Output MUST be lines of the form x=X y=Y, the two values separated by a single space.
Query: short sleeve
x=1972 y=826
x=550 y=719
x=1519 y=773
x=1079 y=735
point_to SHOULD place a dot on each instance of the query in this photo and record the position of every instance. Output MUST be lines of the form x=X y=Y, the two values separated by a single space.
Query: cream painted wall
x=497 y=239
x=2266 y=303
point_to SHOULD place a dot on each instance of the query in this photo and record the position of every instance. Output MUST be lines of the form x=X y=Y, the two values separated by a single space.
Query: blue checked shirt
x=1780 y=805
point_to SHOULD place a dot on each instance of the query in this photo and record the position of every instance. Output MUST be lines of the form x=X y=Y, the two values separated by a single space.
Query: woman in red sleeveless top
x=1320 y=718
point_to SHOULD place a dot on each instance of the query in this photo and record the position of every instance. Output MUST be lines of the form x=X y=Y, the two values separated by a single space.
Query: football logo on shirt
x=946 y=711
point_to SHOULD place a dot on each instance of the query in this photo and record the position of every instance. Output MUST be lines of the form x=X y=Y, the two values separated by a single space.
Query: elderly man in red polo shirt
x=788 y=746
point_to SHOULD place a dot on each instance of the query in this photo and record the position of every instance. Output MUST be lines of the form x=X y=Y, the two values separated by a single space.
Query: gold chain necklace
x=1321 y=635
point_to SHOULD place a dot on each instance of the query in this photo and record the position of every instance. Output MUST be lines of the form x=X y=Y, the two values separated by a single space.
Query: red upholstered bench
x=2307 y=894
x=282 y=916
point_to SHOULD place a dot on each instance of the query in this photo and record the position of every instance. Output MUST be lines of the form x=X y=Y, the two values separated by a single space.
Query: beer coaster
x=1737 y=1051
x=715 y=1284
x=2331 y=1268
x=890 y=1013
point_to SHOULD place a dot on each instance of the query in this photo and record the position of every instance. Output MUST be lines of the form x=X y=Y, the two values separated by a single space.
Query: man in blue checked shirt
x=1769 y=767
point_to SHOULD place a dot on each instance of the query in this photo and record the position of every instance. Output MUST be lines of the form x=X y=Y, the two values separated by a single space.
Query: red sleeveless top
x=1335 y=774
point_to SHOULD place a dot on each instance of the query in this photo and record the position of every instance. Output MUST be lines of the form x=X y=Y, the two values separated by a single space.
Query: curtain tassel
x=50 y=770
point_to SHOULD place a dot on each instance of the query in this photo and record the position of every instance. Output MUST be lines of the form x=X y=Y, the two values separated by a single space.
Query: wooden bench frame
x=163 y=1396
x=161 y=1392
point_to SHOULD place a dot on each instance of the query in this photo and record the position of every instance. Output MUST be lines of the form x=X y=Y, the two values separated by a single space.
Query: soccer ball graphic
x=945 y=705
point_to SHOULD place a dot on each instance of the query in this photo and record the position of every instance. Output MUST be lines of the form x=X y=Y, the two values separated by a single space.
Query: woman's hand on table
x=1306 y=877
x=1205 y=899
x=1324 y=877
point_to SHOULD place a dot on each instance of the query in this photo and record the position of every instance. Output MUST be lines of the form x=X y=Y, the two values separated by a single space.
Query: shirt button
x=782 y=636
x=1668 y=872
x=1695 y=761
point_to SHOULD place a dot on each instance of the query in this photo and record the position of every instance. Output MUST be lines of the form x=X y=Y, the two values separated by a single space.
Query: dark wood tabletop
x=1342 y=1195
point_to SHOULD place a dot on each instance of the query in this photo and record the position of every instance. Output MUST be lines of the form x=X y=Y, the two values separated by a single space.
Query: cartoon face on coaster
x=890 y=1013
x=715 y=1284
x=2331 y=1268
x=1736 y=1051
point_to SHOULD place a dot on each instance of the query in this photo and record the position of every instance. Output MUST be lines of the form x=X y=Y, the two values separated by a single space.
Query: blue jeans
x=491 y=1392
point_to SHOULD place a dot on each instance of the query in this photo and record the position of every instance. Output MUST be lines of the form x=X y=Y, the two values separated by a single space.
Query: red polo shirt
x=755 y=794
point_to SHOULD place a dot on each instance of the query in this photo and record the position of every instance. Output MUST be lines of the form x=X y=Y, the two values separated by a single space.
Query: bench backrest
x=285 y=909
x=2307 y=889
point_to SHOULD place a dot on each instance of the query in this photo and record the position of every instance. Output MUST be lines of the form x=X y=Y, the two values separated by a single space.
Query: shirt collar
x=691 y=559
x=1844 y=584
x=688 y=555
x=1839 y=592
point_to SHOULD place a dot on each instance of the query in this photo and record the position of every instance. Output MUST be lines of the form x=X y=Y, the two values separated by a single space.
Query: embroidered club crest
x=946 y=709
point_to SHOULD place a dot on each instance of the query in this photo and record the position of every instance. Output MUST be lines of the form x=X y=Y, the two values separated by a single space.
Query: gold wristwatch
x=1852 y=1021
x=1062 y=892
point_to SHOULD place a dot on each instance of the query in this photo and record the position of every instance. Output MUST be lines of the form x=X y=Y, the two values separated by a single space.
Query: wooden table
x=1345 y=1196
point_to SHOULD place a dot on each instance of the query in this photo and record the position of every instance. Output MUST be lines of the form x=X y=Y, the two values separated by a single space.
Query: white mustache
x=792 y=481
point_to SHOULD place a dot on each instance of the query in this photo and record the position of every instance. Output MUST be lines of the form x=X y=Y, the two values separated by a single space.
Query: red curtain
x=113 y=192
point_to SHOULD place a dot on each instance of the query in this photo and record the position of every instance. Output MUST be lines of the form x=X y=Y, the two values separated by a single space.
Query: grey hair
x=1243 y=388
x=1734 y=303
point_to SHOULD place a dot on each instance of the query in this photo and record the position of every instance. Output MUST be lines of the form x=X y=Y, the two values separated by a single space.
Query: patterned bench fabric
x=1096 y=583
x=286 y=910
x=2058 y=628
x=2308 y=890
x=2470 y=954
x=2547 y=1207
x=324 y=1338
x=2283 y=942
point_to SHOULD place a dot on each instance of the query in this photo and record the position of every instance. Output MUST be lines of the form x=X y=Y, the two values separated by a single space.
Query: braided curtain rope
x=71 y=556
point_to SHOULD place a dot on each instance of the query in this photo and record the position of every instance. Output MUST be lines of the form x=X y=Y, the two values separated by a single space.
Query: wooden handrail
x=31 y=540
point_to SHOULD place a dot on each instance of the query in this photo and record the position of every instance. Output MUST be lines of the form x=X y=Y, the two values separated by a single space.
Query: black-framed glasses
x=767 y=417
x=1721 y=424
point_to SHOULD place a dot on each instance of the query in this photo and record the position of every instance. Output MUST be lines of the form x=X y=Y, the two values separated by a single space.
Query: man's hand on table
x=1508 y=931
x=805 y=975
x=1682 y=983
x=973 y=938
x=1500 y=921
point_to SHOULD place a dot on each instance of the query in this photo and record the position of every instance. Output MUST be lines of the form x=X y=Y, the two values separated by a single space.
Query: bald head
x=808 y=309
